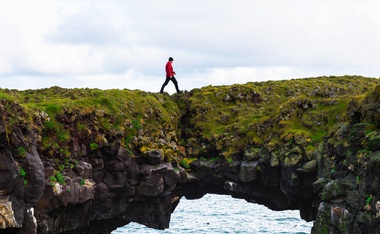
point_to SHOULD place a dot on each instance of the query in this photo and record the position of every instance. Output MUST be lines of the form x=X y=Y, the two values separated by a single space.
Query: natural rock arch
x=69 y=167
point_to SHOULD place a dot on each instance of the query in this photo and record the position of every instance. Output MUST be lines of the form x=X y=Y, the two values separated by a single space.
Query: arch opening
x=214 y=213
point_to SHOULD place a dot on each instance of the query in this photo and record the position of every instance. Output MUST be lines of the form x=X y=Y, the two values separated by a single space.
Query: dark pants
x=167 y=81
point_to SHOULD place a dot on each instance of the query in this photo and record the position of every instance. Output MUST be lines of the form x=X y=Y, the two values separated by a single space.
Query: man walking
x=170 y=76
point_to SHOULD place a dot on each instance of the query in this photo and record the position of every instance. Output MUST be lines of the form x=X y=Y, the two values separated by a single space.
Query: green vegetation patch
x=265 y=114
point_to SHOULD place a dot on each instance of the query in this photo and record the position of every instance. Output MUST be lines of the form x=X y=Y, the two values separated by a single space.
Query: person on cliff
x=170 y=76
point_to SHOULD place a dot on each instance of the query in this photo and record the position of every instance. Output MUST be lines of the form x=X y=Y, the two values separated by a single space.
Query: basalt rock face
x=349 y=178
x=311 y=145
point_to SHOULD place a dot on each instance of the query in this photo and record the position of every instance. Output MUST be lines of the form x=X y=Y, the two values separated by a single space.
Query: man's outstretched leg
x=176 y=85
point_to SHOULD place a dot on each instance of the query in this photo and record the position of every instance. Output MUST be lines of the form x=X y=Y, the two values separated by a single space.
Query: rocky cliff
x=89 y=161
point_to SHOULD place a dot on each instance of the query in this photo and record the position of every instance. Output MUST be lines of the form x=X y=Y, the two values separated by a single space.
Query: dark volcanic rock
x=9 y=172
x=248 y=171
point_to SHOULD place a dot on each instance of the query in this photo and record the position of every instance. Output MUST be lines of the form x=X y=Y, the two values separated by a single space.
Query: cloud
x=90 y=23
x=213 y=42
x=21 y=27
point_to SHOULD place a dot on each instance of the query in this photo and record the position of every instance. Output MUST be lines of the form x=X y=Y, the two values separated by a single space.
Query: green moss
x=229 y=160
x=368 y=199
x=23 y=175
x=59 y=177
x=53 y=108
x=52 y=180
x=105 y=124
x=93 y=146
x=22 y=172
x=136 y=124
x=185 y=163
x=65 y=152
x=21 y=151
x=46 y=142
x=63 y=136
x=80 y=127
x=325 y=229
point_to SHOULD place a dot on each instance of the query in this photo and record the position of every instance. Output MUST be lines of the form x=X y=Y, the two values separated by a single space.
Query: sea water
x=224 y=214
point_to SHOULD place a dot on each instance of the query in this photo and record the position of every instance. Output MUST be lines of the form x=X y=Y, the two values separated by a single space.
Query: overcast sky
x=125 y=44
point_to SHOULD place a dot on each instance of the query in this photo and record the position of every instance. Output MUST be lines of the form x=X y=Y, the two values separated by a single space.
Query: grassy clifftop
x=248 y=119
x=261 y=117
x=113 y=107
x=72 y=123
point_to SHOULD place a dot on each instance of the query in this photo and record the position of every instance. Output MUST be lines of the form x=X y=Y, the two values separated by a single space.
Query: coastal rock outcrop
x=89 y=161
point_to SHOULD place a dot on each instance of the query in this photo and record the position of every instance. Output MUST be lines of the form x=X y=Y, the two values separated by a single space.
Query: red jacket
x=169 y=69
